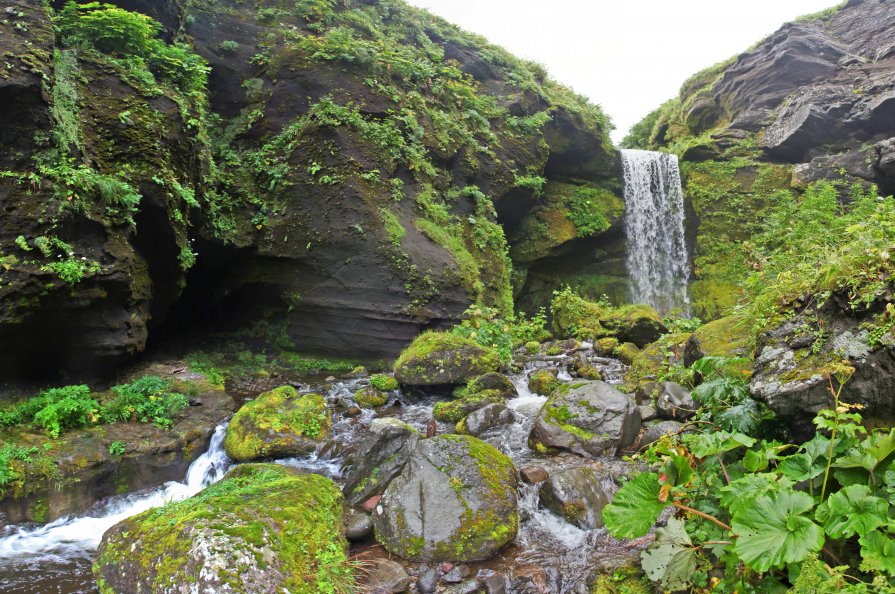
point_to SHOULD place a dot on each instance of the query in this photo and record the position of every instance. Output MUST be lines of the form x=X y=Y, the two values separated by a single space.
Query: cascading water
x=658 y=261
x=65 y=546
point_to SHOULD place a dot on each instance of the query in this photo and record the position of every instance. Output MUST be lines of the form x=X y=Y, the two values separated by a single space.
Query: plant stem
x=724 y=469
x=835 y=393
x=713 y=519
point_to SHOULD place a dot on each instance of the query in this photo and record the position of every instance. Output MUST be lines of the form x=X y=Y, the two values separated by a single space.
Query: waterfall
x=658 y=262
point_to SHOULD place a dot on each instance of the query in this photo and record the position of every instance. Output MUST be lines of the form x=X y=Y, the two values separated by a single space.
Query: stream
x=56 y=557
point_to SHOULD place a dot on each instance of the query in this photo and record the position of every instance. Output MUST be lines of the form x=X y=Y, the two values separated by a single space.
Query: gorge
x=334 y=296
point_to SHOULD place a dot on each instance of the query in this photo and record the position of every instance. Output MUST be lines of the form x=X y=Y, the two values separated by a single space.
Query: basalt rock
x=436 y=358
x=379 y=456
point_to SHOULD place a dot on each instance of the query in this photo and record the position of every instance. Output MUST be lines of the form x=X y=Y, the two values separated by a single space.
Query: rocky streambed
x=545 y=532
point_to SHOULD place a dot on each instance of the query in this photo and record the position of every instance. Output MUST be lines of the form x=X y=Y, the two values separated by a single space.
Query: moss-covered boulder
x=370 y=397
x=543 y=381
x=263 y=529
x=383 y=382
x=453 y=410
x=378 y=458
x=436 y=358
x=726 y=337
x=278 y=423
x=605 y=347
x=586 y=418
x=454 y=501
x=627 y=352
x=490 y=381
x=574 y=316
x=657 y=360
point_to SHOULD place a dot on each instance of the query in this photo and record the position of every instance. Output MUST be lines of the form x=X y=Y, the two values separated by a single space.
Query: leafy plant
x=486 y=327
x=117 y=448
x=146 y=400
x=70 y=407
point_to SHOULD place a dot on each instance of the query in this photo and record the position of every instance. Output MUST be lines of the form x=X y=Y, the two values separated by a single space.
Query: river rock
x=383 y=576
x=543 y=381
x=647 y=413
x=639 y=324
x=493 y=415
x=576 y=495
x=454 y=411
x=470 y=586
x=370 y=397
x=358 y=526
x=533 y=474
x=378 y=458
x=263 y=529
x=454 y=501
x=436 y=358
x=489 y=381
x=656 y=431
x=277 y=424
x=675 y=402
x=587 y=418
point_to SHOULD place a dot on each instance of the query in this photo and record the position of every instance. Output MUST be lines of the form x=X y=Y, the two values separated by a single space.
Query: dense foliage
x=486 y=327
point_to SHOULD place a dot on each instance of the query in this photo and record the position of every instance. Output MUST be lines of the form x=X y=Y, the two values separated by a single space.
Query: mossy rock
x=627 y=352
x=454 y=501
x=727 y=337
x=278 y=423
x=383 y=382
x=490 y=381
x=437 y=358
x=370 y=397
x=264 y=528
x=454 y=410
x=622 y=581
x=656 y=359
x=573 y=316
x=532 y=347
x=712 y=299
x=543 y=381
x=605 y=347
x=588 y=372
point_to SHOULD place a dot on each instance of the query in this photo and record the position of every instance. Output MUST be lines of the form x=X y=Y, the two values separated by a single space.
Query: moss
x=453 y=411
x=658 y=361
x=370 y=397
x=273 y=423
x=627 y=352
x=532 y=347
x=606 y=346
x=561 y=417
x=574 y=316
x=298 y=517
x=627 y=580
x=543 y=381
x=440 y=357
x=726 y=337
x=384 y=382
x=554 y=350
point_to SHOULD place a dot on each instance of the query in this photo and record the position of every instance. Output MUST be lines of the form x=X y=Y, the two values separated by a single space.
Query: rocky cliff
x=354 y=170
x=815 y=100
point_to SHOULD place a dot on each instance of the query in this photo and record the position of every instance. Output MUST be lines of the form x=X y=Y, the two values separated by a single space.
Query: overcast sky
x=627 y=55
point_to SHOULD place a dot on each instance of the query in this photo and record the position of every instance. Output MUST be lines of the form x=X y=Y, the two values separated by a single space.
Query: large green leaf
x=743 y=491
x=801 y=467
x=704 y=445
x=852 y=510
x=878 y=552
x=671 y=558
x=635 y=508
x=772 y=530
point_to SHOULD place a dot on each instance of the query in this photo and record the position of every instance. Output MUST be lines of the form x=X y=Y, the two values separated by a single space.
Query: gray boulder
x=377 y=459
x=657 y=431
x=576 y=495
x=587 y=418
x=675 y=402
x=383 y=576
x=493 y=415
x=454 y=501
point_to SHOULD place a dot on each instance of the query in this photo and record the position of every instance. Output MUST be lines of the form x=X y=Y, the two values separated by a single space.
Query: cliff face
x=352 y=172
x=815 y=100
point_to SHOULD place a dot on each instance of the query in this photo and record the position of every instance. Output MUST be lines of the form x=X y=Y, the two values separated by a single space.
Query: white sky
x=629 y=56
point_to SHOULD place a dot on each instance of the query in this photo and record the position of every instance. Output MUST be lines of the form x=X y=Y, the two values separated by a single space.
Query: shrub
x=484 y=326
x=146 y=400
x=71 y=407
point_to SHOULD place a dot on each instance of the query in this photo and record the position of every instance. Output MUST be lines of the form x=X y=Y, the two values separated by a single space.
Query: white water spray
x=658 y=262
x=71 y=535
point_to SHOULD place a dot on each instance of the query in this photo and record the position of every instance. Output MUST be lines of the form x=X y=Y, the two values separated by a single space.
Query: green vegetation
x=759 y=513
x=383 y=382
x=487 y=328
x=146 y=400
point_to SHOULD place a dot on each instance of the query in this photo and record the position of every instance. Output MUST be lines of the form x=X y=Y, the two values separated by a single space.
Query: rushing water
x=56 y=558
x=658 y=261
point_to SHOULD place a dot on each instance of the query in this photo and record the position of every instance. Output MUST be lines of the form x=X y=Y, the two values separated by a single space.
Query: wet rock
x=533 y=474
x=454 y=501
x=657 y=431
x=576 y=495
x=436 y=358
x=587 y=418
x=495 y=584
x=379 y=456
x=209 y=541
x=277 y=424
x=639 y=324
x=370 y=397
x=454 y=411
x=492 y=415
x=370 y=504
x=471 y=586
x=428 y=582
x=456 y=574
x=383 y=576
x=358 y=527
x=490 y=381
x=543 y=381
x=675 y=402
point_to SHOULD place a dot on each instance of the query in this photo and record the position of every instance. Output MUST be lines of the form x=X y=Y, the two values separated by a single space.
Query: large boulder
x=587 y=418
x=454 y=410
x=675 y=402
x=277 y=424
x=263 y=529
x=379 y=456
x=574 y=316
x=576 y=495
x=435 y=358
x=488 y=417
x=454 y=501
